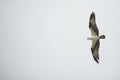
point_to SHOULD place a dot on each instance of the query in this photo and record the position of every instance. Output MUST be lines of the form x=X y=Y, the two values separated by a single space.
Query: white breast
x=94 y=39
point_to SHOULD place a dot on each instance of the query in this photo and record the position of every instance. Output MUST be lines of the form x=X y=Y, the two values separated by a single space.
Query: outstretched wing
x=92 y=25
x=95 y=49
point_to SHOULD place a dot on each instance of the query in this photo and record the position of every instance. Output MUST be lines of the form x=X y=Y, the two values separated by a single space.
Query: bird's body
x=94 y=37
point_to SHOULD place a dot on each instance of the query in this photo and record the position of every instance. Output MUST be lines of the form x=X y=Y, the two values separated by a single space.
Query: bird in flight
x=95 y=38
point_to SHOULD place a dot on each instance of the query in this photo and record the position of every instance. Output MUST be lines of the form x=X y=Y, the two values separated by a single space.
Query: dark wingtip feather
x=92 y=15
x=93 y=12
x=96 y=59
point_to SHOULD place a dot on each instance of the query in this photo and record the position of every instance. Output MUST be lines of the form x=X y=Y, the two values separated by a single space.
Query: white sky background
x=46 y=40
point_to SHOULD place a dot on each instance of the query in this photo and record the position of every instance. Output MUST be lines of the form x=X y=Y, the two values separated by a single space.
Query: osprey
x=94 y=37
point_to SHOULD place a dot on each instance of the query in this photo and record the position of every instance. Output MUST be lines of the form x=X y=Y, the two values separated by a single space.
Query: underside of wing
x=95 y=50
x=92 y=25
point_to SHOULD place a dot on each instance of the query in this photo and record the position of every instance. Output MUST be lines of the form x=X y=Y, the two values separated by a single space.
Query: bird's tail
x=102 y=37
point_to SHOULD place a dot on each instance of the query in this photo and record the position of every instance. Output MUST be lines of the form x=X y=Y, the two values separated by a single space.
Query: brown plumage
x=95 y=37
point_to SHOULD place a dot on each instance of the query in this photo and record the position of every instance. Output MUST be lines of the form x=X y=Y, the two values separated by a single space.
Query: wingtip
x=96 y=60
x=93 y=13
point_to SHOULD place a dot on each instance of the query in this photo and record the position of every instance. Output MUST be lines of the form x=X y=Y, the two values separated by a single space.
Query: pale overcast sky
x=46 y=40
